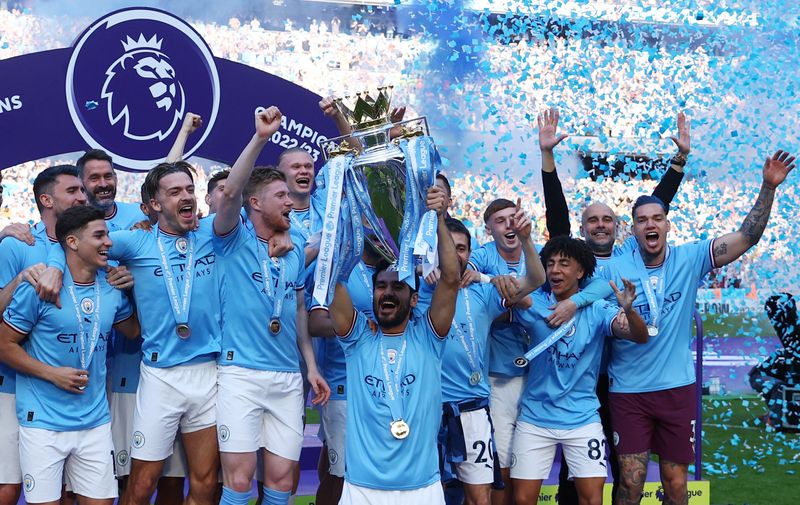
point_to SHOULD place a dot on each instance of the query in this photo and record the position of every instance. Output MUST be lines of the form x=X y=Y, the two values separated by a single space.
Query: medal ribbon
x=333 y=175
x=425 y=163
x=550 y=340
x=653 y=296
x=280 y=291
x=180 y=305
x=472 y=348
x=393 y=386
x=86 y=359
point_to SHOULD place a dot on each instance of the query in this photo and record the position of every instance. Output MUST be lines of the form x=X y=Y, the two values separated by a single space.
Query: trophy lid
x=366 y=109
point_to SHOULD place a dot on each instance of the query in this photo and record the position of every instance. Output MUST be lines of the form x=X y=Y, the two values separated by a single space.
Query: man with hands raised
x=652 y=387
x=393 y=379
x=264 y=331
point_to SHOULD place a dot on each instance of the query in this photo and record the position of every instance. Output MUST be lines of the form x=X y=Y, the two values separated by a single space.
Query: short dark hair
x=497 y=206
x=385 y=265
x=456 y=226
x=446 y=183
x=648 y=199
x=260 y=177
x=92 y=154
x=162 y=170
x=215 y=179
x=47 y=178
x=292 y=150
x=75 y=219
x=569 y=247
x=144 y=193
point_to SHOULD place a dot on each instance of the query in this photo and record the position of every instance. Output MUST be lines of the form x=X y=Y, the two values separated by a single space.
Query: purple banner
x=125 y=87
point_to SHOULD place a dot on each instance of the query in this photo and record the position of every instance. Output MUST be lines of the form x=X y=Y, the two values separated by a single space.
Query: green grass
x=747 y=463
x=737 y=325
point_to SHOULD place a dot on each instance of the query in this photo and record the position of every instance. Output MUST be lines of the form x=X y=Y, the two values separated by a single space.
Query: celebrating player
x=65 y=430
x=260 y=402
x=174 y=267
x=652 y=396
x=393 y=379
x=559 y=405
x=468 y=450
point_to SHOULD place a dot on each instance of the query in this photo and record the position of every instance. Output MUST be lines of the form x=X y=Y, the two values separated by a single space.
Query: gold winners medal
x=183 y=331
x=399 y=429
x=275 y=326
x=652 y=330
x=475 y=378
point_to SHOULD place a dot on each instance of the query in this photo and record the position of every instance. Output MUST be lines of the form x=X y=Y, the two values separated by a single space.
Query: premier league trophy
x=373 y=188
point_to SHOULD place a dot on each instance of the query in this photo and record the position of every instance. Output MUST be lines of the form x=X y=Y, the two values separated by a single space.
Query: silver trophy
x=379 y=163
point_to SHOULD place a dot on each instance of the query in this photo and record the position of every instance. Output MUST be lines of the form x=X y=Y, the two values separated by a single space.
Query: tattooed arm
x=730 y=247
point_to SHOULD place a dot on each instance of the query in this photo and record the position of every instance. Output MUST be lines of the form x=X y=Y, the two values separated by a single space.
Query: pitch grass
x=746 y=462
x=737 y=325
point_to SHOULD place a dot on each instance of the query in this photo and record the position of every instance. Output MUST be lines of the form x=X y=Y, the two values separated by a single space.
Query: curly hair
x=569 y=247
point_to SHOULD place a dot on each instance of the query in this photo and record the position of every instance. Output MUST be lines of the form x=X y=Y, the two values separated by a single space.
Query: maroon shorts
x=658 y=421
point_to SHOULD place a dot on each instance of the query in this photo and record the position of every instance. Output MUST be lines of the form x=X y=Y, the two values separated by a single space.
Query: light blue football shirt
x=485 y=304
x=126 y=354
x=330 y=357
x=16 y=256
x=138 y=250
x=665 y=361
x=507 y=340
x=247 y=307
x=124 y=216
x=53 y=339
x=375 y=459
x=560 y=392
x=301 y=227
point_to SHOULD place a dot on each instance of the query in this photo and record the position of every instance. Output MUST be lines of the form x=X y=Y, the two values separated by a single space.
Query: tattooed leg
x=632 y=473
x=673 y=478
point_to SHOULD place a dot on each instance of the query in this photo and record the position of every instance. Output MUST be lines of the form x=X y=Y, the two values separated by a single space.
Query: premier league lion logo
x=150 y=99
x=132 y=77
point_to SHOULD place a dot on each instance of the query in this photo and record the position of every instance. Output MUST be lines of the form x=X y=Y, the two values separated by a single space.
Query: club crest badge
x=182 y=245
x=87 y=305
x=132 y=77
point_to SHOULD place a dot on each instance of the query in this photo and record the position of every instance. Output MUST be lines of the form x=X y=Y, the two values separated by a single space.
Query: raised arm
x=730 y=247
x=534 y=271
x=341 y=310
x=443 y=300
x=328 y=107
x=636 y=329
x=228 y=210
x=671 y=180
x=556 y=210
x=190 y=125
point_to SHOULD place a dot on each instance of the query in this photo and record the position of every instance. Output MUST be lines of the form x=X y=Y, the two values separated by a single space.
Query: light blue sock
x=231 y=497
x=273 y=497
